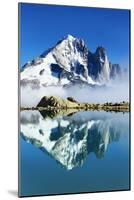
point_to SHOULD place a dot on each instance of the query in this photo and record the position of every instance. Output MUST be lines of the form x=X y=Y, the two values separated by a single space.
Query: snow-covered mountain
x=68 y=62
x=69 y=139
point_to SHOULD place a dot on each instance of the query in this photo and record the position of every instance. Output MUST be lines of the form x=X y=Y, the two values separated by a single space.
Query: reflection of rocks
x=102 y=135
x=71 y=148
x=69 y=139
x=52 y=113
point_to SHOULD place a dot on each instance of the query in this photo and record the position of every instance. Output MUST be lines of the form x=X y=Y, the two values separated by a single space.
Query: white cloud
x=116 y=91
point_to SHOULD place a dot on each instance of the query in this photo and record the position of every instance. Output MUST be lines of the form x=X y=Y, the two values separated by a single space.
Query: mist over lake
x=116 y=91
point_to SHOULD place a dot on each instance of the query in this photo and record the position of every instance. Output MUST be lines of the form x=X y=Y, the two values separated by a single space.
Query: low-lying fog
x=116 y=91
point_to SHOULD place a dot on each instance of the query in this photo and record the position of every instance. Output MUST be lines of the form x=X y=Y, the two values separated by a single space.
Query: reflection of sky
x=40 y=174
x=42 y=26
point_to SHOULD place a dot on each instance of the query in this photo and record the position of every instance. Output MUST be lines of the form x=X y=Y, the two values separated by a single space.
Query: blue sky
x=41 y=26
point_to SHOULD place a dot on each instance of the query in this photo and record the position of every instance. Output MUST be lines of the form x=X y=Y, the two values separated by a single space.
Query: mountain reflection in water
x=70 y=138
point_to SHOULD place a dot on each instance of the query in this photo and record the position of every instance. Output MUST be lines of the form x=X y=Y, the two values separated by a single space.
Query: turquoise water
x=81 y=152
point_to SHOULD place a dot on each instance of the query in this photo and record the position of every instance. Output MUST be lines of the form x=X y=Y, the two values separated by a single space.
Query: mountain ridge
x=69 y=62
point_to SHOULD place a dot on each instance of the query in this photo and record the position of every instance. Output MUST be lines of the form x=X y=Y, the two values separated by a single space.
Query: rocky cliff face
x=69 y=62
x=115 y=70
x=99 y=66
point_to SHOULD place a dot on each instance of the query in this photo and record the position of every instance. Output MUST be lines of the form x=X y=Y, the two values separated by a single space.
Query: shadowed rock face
x=115 y=69
x=69 y=139
x=98 y=65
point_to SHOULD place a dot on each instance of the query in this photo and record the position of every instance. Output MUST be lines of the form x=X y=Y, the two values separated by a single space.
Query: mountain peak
x=100 y=49
x=70 y=37
x=101 y=53
x=69 y=62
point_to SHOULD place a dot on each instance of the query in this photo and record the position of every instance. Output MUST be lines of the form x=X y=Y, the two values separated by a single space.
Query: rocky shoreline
x=55 y=104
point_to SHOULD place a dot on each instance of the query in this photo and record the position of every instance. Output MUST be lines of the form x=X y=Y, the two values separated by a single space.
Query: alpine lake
x=73 y=152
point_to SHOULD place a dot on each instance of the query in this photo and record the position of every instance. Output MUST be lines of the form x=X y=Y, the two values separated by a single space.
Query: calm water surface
x=78 y=152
